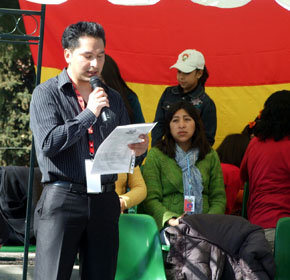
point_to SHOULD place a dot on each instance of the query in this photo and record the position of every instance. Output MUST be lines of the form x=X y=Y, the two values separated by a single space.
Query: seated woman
x=266 y=165
x=182 y=172
x=136 y=184
x=231 y=152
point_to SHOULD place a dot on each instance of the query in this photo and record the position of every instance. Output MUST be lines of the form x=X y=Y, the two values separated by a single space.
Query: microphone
x=105 y=112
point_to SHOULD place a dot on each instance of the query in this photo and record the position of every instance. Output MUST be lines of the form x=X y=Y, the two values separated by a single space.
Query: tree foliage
x=17 y=79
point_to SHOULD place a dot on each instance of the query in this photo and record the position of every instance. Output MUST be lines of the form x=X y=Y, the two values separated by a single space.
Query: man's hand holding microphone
x=98 y=103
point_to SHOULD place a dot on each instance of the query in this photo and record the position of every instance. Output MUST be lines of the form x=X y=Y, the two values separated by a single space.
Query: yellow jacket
x=136 y=184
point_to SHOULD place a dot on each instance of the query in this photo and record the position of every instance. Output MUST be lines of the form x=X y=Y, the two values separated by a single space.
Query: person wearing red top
x=233 y=184
x=231 y=152
x=266 y=165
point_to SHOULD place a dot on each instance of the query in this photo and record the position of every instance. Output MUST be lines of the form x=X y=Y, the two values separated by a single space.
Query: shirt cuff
x=87 y=118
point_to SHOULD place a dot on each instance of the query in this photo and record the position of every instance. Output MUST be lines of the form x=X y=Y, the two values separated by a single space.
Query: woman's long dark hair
x=275 y=118
x=233 y=148
x=199 y=140
x=112 y=77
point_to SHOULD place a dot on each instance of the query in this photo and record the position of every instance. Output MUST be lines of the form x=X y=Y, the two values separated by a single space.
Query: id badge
x=93 y=180
x=189 y=203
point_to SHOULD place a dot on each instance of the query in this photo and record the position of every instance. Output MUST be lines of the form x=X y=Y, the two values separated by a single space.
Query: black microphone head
x=95 y=82
x=106 y=113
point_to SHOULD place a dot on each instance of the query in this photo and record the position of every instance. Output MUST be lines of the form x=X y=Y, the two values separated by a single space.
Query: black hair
x=249 y=128
x=112 y=77
x=233 y=148
x=199 y=140
x=274 y=122
x=205 y=75
x=71 y=35
x=248 y=131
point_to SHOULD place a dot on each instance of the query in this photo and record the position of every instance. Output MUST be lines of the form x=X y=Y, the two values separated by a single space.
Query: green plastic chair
x=16 y=249
x=140 y=255
x=282 y=249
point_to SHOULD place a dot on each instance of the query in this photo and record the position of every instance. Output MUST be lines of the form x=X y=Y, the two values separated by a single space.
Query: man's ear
x=67 y=55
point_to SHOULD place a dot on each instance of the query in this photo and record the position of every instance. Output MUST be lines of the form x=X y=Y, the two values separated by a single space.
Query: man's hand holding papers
x=117 y=152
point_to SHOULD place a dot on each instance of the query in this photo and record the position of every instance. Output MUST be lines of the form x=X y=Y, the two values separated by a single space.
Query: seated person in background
x=112 y=77
x=231 y=152
x=182 y=172
x=266 y=165
x=136 y=184
x=191 y=76
x=4 y=230
x=249 y=128
x=13 y=202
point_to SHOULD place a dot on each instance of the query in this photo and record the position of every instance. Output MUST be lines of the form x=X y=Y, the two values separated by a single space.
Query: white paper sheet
x=113 y=155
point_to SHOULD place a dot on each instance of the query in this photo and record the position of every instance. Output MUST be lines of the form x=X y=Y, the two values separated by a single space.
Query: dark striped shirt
x=60 y=129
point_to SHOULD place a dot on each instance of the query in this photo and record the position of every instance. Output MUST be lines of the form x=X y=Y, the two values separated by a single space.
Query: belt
x=80 y=188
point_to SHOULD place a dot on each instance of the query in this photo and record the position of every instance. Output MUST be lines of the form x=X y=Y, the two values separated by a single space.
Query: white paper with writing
x=113 y=155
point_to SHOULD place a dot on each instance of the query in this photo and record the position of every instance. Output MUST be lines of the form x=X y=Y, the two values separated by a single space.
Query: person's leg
x=99 y=248
x=60 y=219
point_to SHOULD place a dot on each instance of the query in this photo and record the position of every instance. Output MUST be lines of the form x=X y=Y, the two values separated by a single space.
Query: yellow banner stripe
x=236 y=106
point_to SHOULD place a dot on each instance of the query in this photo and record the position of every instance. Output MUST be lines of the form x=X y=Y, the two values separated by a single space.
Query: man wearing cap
x=191 y=76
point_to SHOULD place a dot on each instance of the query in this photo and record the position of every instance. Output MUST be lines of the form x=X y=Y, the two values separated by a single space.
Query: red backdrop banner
x=249 y=45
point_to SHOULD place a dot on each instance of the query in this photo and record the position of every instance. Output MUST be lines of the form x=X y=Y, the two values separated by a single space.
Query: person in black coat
x=13 y=203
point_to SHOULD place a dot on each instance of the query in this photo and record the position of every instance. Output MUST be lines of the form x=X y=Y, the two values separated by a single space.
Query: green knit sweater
x=163 y=178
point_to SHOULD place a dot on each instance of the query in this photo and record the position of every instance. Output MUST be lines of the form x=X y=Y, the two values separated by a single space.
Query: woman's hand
x=175 y=221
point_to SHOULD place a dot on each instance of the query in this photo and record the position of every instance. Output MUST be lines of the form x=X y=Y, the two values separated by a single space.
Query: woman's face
x=188 y=81
x=182 y=128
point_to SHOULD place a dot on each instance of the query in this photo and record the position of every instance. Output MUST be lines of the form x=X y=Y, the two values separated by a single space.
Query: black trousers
x=67 y=223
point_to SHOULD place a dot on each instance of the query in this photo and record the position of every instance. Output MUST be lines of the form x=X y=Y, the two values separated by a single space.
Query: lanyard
x=90 y=130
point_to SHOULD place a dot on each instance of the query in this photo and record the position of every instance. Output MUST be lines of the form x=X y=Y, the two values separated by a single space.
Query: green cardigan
x=163 y=178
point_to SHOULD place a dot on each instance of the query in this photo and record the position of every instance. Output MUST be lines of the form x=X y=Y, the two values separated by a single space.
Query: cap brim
x=183 y=68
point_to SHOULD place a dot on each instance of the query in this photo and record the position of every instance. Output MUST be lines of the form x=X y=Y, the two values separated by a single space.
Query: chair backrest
x=140 y=255
x=17 y=249
x=245 y=200
x=282 y=249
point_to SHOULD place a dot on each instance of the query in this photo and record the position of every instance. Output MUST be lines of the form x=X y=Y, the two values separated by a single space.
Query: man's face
x=86 y=60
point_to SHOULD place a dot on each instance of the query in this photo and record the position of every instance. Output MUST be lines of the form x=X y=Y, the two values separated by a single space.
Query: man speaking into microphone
x=65 y=119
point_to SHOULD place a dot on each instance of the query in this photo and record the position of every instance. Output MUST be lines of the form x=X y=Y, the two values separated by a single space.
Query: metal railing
x=17 y=36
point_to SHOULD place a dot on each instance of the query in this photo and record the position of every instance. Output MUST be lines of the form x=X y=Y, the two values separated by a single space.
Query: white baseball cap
x=189 y=60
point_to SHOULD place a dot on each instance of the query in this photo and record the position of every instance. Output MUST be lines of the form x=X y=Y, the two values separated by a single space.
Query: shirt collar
x=193 y=93
x=63 y=79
